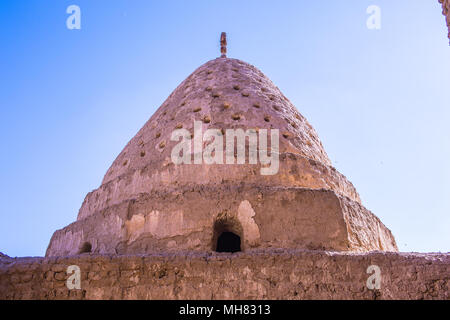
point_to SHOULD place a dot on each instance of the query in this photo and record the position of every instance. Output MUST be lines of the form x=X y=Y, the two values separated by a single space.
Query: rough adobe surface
x=305 y=218
x=224 y=94
x=446 y=12
x=147 y=204
x=276 y=274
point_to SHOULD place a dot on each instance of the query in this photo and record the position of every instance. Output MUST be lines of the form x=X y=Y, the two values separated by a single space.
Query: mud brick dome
x=148 y=204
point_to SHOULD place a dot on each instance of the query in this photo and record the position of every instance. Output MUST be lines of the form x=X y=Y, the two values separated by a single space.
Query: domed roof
x=222 y=94
x=148 y=202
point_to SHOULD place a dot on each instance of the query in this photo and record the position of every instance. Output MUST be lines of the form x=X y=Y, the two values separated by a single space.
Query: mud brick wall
x=446 y=12
x=275 y=274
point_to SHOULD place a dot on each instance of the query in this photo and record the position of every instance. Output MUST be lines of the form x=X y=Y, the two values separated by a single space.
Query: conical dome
x=222 y=94
x=148 y=203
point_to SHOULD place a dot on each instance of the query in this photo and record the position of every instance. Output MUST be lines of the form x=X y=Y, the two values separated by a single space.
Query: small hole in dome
x=236 y=87
x=162 y=144
x=256 y=105
x=277 y=108
x=206 y=119
x=125 y=163
x=85 y=248
x=179 y=126
x=142 y=153
x=267 y=119
x=236 y=116
x=197 y=109
x=245 y=94
x=286 y=135
x=226 y=105
x=216 y=95
x=208 y=88
x=158 y=135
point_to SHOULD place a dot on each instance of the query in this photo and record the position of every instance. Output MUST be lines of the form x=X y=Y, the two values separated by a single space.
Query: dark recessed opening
x=86 y=248
x=228 y=242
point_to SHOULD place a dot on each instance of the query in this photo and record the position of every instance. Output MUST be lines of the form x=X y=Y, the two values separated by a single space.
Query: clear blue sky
x=71 y=99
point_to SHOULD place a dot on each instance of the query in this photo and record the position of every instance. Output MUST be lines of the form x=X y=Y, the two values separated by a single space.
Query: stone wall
x=269 y=274
x=446 y=12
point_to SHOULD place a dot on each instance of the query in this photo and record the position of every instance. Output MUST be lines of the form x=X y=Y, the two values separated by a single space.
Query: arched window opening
x=86 y=248
x=228 y=235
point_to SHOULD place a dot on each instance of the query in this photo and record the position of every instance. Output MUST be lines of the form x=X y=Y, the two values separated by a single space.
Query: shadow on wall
x=228 y=242
x=85 y=248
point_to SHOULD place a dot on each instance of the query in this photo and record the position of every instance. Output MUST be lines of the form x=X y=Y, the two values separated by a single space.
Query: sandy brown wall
x=257 y=275
x=191 y=219
x=446 y=12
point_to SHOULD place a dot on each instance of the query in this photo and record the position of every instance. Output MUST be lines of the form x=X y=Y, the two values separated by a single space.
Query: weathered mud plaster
x=264 y=218
x=251 y=229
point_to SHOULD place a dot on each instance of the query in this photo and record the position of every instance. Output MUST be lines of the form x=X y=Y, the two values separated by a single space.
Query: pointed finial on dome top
x=223 y=44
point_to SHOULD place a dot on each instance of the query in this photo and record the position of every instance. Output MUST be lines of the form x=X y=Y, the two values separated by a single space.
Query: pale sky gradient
x=70 y=100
